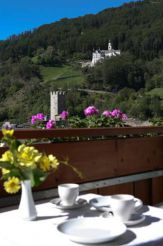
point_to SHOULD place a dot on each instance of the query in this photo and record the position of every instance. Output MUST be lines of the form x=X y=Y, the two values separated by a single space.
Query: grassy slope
x=65 y=76
x=69 y=76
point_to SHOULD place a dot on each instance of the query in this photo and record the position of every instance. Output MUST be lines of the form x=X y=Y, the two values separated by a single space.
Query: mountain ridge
x=134 y=28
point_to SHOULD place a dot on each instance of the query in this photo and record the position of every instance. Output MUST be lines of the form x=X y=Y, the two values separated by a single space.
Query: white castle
x=100 y=55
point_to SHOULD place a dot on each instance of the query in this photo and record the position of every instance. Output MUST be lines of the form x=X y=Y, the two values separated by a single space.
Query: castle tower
x=57 y=103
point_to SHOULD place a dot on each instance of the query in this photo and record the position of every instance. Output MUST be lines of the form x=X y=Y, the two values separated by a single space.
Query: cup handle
x=108 y=214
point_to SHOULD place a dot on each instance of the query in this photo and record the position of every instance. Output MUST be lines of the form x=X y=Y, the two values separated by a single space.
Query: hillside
x=135 y=27
x=48 y=58
x=66 y=76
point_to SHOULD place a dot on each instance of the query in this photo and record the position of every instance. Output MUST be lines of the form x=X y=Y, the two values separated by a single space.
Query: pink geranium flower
x=33 y=119
x=107 y=113
x=40 y=116
x=91 y=110
x=117 y=113
x=37 y=118
x=124 y=116
x=64 y=115
x=50 y=124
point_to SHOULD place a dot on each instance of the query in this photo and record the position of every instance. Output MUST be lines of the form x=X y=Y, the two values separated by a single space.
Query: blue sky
x=17 y=16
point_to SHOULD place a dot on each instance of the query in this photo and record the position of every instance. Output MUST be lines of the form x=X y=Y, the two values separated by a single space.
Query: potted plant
x=23 y=166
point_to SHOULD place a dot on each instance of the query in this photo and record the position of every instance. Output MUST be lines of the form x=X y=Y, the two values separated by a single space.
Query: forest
x=35 y=62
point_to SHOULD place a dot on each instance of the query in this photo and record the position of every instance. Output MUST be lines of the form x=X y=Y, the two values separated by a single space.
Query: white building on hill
x=100 y=55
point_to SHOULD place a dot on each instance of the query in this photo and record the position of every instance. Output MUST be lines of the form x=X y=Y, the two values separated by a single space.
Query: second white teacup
x=122 y=206
x=68 y=193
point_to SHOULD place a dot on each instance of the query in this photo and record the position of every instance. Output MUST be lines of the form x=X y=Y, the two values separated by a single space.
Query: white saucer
x=102 y=203
x=135 y=219
x=92 y=230
x=78 y=204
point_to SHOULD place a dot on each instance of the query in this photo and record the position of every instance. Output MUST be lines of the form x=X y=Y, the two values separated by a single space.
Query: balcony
x=112 y=160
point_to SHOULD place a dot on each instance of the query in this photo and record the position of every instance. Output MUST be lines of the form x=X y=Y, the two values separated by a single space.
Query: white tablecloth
x=42 y=232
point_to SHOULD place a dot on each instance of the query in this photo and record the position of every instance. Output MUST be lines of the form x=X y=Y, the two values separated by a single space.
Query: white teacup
x=68 y=193
x=122 y=206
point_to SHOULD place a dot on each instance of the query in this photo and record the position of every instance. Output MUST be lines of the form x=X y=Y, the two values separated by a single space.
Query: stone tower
x=57 y=103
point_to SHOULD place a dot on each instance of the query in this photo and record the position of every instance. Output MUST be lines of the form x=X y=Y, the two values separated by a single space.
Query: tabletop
x=43 y=231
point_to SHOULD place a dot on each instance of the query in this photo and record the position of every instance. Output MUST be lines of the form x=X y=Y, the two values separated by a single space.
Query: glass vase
x=27 y=209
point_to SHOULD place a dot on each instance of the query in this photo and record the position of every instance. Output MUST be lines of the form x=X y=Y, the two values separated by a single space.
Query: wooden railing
x=112 y=160
x=72 y=132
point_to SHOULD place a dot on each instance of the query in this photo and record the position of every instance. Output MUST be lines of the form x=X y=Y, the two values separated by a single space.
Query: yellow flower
x=28 y=156
x=12 y=185
x=5 y=171
x=7 y=132
x=7 y=156
x=48 y=162
x=53 y=161
x=44 y=163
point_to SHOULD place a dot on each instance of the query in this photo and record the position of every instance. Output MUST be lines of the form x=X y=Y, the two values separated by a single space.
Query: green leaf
x=6 y=165
x=38 y=177
x=13 y=173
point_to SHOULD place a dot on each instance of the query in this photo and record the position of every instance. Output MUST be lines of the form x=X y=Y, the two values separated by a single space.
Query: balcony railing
x=112 y=160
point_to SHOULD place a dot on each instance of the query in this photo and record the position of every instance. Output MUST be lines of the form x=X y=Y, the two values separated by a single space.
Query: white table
x=42 y=232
